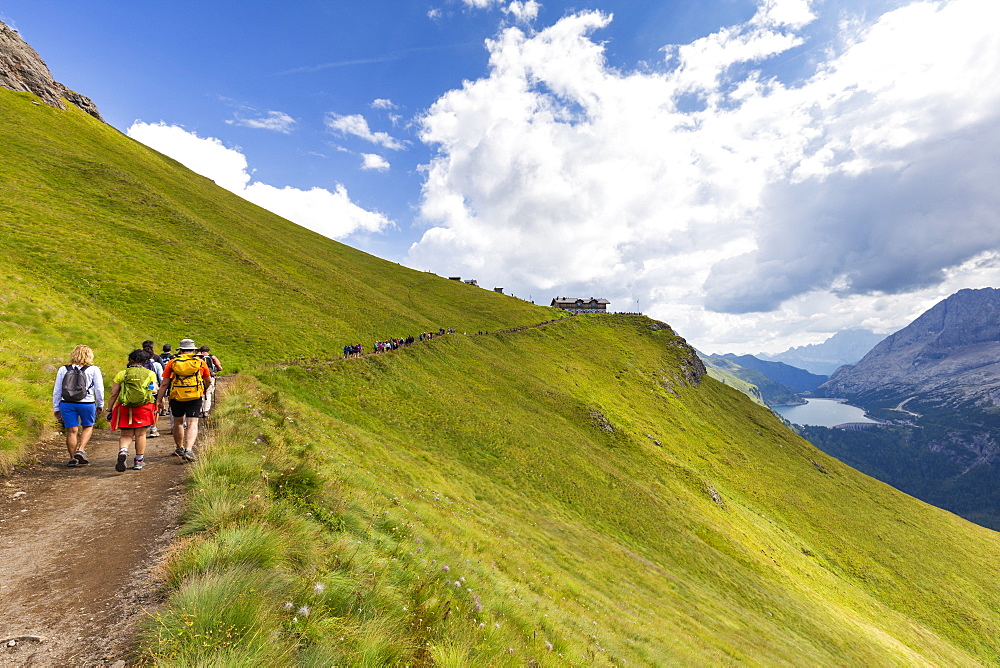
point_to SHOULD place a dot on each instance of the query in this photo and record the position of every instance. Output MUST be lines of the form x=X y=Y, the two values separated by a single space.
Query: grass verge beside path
x=279 y=565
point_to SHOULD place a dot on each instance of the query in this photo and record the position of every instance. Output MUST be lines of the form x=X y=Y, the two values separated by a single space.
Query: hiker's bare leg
x=72 y=434
x=206 y=404
x=191 y=433
x=140 y=441
x=125 y=439
x=85 y=437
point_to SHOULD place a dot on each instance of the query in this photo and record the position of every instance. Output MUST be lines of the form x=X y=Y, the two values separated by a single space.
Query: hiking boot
x=139 y=463
x=72 y=463
x=153 y=433
x=188 y=456
x=120 y=464
x=178 y=452
x=81 y=457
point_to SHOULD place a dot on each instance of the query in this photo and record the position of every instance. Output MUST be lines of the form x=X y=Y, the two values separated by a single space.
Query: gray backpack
x=75 y=384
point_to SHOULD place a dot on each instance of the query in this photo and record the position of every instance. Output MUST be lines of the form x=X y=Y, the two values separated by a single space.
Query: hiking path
x=80 y=550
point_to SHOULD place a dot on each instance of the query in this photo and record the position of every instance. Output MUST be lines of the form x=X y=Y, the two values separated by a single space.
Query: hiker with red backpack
x=186 y=378
x=133 y=407
x=77 y=396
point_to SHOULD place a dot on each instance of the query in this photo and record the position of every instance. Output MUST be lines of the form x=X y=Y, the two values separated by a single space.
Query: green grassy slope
x=558 y=495
x=107 y=243
x=489 y=448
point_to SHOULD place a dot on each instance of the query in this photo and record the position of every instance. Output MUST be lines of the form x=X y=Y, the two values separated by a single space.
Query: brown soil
x=80 y=549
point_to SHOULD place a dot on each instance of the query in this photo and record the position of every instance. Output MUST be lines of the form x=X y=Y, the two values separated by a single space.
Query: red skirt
x=123 y=417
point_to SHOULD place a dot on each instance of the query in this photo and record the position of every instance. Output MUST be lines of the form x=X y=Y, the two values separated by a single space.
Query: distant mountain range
x=846 y=347
x=937 y=381
x=754 y=384
x=949 y=356
x=798 y=379
x=770 y=383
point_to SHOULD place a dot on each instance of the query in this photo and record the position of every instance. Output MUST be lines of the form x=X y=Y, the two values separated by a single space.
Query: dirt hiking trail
x=80 y=549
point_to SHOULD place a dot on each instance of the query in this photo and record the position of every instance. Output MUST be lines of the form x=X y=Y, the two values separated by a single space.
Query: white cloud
x=382 y=103
x=273 y=120
x=791 y=13
x=843 y=199
x=523 y=12
x=331 y=214
x=374 y=161
x=356 y=125
x=206 y=156
x=702 y=63
x=482 y=4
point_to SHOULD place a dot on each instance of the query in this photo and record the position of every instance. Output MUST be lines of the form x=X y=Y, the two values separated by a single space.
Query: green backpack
x=135 y=389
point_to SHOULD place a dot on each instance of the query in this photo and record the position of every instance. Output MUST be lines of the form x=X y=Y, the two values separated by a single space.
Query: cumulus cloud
x=523 y=12
x=206 y=156
x=767 y=202
x=355 y=125
x=273 y=120
x=382 y=103
x=702 y=63
x=331 y=214
x=375 y=162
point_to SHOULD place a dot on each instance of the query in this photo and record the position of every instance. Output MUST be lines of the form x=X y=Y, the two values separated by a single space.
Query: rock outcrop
x=950 y=355
x=24 y=71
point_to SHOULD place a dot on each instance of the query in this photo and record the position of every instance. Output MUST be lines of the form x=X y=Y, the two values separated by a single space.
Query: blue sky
x=759 y=174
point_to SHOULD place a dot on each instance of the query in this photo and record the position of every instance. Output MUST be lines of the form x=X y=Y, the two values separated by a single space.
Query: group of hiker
x=392 y=344
x=181 y=386
x=357 y=350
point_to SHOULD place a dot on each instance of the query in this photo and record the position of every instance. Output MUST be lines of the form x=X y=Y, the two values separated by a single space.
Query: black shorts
x=189 y=409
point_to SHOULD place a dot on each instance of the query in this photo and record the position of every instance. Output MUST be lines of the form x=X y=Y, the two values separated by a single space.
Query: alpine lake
x=823 y=413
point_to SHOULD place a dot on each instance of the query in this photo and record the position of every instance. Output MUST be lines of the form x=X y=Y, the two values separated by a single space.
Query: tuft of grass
x=220 y=618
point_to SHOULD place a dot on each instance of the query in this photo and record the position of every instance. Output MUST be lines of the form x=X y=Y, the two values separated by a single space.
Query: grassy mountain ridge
x=562 y=495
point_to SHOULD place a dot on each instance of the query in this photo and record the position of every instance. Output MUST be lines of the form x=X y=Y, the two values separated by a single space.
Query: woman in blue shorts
x=77 y=396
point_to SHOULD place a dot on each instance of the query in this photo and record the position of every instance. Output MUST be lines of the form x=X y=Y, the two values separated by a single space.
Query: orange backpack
x=185 y=378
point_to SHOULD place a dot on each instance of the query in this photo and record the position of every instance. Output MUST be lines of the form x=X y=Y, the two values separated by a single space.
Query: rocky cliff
x=24 y=71
x=950 y=355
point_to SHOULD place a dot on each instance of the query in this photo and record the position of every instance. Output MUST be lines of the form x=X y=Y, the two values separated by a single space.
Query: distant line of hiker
x=519 y=328
x=357 y=350
x=139 y=393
